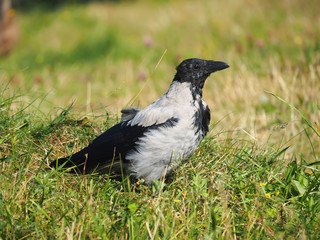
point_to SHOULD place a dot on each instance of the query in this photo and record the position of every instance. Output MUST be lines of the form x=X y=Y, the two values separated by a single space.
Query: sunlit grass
x=256 y=174
x=230 y=187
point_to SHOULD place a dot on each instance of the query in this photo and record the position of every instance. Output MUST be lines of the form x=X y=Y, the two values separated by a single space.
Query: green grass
x=255 y=176
x=229 y=188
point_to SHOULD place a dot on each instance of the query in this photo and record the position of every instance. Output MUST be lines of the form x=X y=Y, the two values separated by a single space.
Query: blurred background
x=106 y=55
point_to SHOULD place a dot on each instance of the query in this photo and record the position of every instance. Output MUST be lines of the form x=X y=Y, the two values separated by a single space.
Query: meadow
x=255 y=176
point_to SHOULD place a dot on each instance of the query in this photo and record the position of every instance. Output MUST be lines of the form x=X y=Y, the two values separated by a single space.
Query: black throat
x=202 y=115
x=196 y=92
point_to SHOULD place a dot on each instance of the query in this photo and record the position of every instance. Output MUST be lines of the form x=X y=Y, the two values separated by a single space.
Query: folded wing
x=109 y=148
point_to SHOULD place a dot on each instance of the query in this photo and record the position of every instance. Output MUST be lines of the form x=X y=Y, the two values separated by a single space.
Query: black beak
x=214 y=66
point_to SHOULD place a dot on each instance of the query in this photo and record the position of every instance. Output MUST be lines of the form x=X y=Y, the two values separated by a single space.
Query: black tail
x=75 y=162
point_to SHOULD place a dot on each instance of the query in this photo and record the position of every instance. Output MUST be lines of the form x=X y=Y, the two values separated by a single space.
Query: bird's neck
x=196 y=91
x=184 y=91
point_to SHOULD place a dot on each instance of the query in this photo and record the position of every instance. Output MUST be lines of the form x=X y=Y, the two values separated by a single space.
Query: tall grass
x=230 y=188
x=255 y=176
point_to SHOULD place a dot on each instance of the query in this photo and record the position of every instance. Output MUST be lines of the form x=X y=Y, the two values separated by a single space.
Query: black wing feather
x=107 y=148
x=129 y=113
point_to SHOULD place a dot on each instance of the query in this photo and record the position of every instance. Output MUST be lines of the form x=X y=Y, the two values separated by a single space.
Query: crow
x=149 y=143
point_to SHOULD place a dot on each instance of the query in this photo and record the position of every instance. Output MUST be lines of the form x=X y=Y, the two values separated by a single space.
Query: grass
x=255 y=176
x=229 y=188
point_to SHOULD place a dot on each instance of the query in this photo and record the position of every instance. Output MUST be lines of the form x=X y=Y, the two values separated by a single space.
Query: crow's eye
x=196 y=66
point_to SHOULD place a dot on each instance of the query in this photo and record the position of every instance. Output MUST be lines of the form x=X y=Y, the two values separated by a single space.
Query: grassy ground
x=255 y=176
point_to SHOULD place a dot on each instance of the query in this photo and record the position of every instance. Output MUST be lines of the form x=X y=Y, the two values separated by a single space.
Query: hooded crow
x=149 y=143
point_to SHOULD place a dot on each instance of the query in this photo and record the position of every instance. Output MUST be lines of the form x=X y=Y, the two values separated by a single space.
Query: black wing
x=109 y=147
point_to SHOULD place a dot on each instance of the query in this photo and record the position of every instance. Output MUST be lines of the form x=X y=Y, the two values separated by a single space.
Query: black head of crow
x=149 y=143
x=196 y=71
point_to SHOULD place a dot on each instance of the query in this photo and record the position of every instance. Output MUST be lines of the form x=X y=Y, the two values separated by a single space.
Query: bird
x=150 y=143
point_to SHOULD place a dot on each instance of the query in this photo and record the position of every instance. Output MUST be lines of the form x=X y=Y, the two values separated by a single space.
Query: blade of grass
x=297 y=110
x=148 y=79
